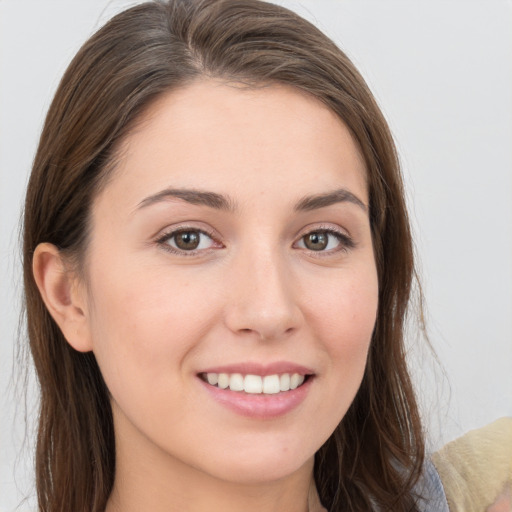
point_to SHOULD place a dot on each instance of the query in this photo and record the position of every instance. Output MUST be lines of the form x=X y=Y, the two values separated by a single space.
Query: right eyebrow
x=193 y=196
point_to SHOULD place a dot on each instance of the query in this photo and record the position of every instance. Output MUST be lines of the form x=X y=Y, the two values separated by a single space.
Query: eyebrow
x=210 y=199
x=317 y=201
x=221 y=202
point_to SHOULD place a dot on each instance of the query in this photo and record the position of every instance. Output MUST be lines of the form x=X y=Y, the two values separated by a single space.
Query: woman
x=218 y=265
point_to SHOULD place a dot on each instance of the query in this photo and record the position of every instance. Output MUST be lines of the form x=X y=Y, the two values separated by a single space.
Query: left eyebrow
x=317 y=201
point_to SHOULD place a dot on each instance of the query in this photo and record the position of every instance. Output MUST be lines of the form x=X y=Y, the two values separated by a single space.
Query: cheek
x=343 y=318
x=345 y=310
x=144 y=323
x=341 y=315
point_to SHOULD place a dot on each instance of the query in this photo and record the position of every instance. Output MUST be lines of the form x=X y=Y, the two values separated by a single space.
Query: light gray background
x=442 y=72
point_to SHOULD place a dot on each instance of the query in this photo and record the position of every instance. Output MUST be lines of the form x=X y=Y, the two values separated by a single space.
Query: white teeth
x=223 y=380
x=236 y=382
x=284 y=382
x=213 y=378
x=271 y=384
x=255 y=384
x=296 y=380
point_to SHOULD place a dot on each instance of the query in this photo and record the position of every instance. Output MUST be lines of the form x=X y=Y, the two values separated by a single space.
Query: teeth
x=236 y=382
x=284 y=382
x=255 y=384
x=271 y=384
x=296 y=380
x=213 y=378
x=223 y=380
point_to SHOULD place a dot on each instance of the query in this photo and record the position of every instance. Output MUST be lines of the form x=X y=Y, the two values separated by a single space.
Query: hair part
x=375 y=454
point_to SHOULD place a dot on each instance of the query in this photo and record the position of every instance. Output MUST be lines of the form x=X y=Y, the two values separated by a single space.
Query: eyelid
x=346 y=242
x=345 y=239
x=168 y=233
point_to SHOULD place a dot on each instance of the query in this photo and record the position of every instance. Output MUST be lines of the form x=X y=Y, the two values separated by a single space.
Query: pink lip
x=249 y=368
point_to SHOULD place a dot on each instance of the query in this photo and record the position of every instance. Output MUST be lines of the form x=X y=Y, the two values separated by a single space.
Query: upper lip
x=253 y=368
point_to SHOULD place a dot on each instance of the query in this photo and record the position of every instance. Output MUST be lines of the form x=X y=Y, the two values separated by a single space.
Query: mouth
x=251 y=384
x=259 y=391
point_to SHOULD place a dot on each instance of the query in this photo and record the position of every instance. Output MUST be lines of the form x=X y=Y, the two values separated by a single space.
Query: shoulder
x=476 y=469
x=430 y=490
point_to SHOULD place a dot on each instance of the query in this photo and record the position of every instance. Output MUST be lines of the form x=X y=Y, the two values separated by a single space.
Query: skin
x=253 y=292
x=503 y=502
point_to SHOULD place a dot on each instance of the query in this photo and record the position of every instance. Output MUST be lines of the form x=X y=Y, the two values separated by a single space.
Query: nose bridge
x=264 y=300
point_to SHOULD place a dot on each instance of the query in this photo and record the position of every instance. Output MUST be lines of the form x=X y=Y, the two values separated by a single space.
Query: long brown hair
x=375 y=455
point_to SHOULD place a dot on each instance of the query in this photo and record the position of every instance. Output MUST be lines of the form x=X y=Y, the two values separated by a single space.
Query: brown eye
x=316 y=241
x=325 y=241
x=187 y=240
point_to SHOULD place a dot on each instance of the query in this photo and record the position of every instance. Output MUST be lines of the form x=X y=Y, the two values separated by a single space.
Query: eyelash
x=166 y=237
x=345 y=241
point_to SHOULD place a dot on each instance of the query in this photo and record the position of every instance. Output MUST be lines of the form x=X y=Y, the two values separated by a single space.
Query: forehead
x=241 y=140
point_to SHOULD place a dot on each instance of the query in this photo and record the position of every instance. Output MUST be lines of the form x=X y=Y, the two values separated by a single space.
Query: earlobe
x=62 y=296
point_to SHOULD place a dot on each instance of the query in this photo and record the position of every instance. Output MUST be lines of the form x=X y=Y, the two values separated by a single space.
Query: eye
x=324 y=241
x=187 y=240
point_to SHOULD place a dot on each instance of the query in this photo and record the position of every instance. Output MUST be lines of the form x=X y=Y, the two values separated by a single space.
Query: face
x=231 y=260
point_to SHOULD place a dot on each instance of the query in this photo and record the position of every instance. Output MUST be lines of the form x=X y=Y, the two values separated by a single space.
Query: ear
x=63 y=296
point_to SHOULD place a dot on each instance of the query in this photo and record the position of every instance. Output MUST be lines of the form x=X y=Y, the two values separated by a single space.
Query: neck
x=149 y=488
x=149 y=480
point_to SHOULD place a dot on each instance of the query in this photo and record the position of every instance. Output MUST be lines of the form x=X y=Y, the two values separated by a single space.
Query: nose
x=264 y=297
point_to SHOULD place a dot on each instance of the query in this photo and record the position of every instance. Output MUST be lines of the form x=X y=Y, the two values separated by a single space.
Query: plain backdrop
x=442 y=73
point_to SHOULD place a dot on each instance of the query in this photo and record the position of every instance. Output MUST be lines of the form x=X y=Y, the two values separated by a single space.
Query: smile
x=255 y=384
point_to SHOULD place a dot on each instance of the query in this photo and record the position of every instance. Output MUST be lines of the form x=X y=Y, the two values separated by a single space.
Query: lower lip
x=259 y=405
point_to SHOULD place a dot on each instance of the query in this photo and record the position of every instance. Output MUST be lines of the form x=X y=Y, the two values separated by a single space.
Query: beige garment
x=476 y=469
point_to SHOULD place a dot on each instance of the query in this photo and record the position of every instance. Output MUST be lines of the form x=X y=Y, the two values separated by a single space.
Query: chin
x=250 y=473
x=261 y=464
